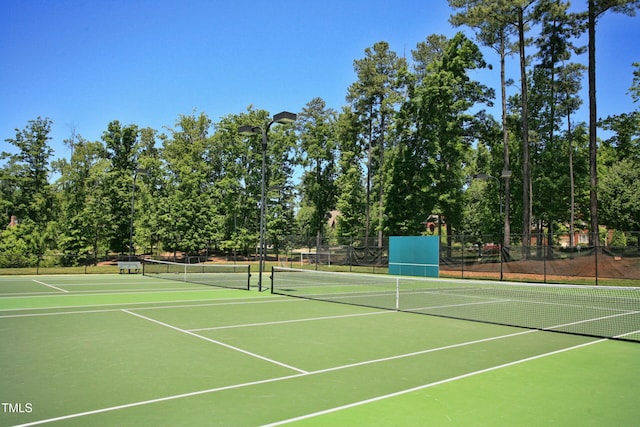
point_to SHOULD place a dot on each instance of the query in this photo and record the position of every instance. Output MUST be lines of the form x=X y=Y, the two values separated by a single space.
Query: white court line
x=92 y=292
x=102 y=292
x=120 y=304
x=628 y=333
x=424 y=386
x=436 y=307
x=51 y=286
x=626 y=313
x=277 y=379
x=275 y=362
x=160 y=399
x=421 y=352
x=279 y=322
x=113 y=310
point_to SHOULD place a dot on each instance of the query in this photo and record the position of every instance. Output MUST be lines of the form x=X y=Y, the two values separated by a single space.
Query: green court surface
x=129 y=350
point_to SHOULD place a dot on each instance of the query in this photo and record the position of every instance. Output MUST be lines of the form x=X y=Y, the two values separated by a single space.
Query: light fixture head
x=247 y=130
x=285 y=117
x=506 y=174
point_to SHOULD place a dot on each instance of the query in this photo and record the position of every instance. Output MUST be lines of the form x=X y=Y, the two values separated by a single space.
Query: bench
x=129 y=265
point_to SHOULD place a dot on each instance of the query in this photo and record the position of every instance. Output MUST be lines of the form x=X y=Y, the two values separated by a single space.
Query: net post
x=248 y=276
x=271 y=277
x=397 y=293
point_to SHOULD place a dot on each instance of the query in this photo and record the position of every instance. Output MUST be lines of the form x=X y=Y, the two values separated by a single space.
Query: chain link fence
x=52 y=263
x=585 y=258
x=609 y=258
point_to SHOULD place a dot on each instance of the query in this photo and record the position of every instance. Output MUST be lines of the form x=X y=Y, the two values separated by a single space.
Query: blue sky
x=84 y=63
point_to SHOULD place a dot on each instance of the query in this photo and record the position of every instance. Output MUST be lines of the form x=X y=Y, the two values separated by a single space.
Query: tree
x=620 y=195
x=83 y=188
x=27 y=172
x=426 y=53
x=496 y=22
x=374 y=98
x=121 y=146
x=188 y=213
x=520 y=11
x=349 y=186
x=555 y=83
x=454 y=94
x=316 y=126
x=619 y=165
x=634 y=90
x=569 y=86
x=237 y=192
x=436 y=129
x=10 y=190
x=626 y=135
x=596 y=8
x=148 y=196
x=493 y=30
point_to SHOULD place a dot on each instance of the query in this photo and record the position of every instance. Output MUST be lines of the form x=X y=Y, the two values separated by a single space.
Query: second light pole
x=506 y=174
x=281 y=118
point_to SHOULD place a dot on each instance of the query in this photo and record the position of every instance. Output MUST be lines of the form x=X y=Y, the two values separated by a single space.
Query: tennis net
x=597 y=311
x=235 y=276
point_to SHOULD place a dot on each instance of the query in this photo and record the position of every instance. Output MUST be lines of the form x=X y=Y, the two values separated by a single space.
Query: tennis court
x=135 y=350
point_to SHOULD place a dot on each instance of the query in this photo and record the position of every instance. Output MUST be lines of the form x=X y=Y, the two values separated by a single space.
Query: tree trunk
x=506 y=236
x=381 y=180
x=593 y=122
x=526 y=161
x=368 y=190
x=572 y=182
x=318 y=244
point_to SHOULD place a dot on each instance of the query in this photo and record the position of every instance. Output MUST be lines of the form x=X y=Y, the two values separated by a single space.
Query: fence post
x=544 y=261
x=597 y=247
x=462 y=257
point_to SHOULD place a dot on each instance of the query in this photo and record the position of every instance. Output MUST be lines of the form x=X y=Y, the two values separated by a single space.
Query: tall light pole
x=136 y=172
x=281 y=118
x=506 y=174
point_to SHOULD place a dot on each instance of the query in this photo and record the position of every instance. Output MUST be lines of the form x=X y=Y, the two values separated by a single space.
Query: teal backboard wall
x=414 y=255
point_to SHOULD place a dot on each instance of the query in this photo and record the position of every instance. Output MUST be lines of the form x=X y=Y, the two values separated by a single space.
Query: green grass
x=129 y=350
